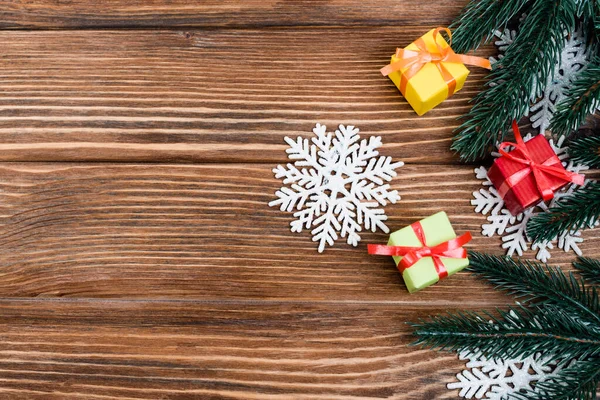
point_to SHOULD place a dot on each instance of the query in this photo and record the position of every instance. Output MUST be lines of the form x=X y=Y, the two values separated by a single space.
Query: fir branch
x=586 y=151
x=571 y=213
x=561 y=321
x=527 y=64
x=589 y=269
x=538 y=284
x=480 y=19
x=516 y=333
x=581 y=99
x=577 y=381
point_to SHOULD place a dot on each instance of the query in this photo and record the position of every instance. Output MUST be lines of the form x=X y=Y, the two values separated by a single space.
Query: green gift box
x=440 y=255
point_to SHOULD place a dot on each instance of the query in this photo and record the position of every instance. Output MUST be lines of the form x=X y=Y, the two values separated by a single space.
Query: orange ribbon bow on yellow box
x=443 y=71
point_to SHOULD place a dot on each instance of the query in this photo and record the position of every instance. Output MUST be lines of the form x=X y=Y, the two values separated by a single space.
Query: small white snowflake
x=496 y=379
x=505 y=39
x=574 y=58
x=513 y=228
x=336 y=184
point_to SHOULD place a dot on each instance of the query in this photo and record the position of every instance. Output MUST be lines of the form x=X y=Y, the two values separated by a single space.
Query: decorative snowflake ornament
x=488 y=202
x=574 y=58
x=495 y=379
x=336 y=184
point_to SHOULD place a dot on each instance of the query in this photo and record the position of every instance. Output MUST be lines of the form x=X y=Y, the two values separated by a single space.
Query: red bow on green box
x=410 y=255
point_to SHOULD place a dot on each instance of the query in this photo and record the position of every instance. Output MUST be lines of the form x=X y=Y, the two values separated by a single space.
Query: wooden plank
x=206 y=232
x=208 y=96
x=219 y=13
x=209 y=350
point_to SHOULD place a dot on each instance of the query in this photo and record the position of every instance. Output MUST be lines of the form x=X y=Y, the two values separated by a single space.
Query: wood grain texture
x=208 y=96
x=216 y=350
x=197 y=231
x=40 y=14
x=146 y=277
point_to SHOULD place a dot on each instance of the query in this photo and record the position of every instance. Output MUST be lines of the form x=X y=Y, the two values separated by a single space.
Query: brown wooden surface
x=207 y=96
x=43 y=14
x=181 y=349
x=206 y=232
x=139 y=257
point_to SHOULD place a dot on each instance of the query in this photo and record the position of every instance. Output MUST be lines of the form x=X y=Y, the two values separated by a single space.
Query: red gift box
x=529 y=173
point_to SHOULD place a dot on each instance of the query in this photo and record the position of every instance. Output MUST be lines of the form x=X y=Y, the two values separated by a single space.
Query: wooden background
x=139 y=258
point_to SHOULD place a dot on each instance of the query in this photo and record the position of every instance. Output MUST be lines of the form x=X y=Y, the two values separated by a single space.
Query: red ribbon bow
x=410 y=255
x=415 y=60
x=552 y=166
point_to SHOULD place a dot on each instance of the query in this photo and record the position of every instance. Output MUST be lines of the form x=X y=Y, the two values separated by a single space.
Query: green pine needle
x=571 y=213
x=589 y=269
x=537 y=284
x=558 y=316
x=596 y=18
x=526 y=66
x=586 y=151
x=480 y=19
x=581 y=99
x=516 y=333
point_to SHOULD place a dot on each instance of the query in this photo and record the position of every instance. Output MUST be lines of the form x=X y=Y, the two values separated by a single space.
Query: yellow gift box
x=427 y=71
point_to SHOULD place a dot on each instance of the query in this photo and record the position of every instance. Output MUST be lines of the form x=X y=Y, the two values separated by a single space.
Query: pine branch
x=527 y=64
x=589 y=269
x=577 y=381
x=561 y=320
x=571 y=213
x=480 y=19
x=516 y=333
x=581 y=99
x=586 y=151
x=537 y=284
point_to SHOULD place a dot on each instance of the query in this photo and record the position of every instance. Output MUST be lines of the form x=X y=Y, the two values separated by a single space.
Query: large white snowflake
x=496 y=379
x=574 y=58
x=336 y=184
x=513 y=228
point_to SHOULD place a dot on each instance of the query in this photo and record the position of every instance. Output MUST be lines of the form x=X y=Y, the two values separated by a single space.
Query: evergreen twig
x=586 y=151
x=581 y=99
x=480 y=19
x=518 y=332
x=526 y=66
x=589 y=269
x=574 y=212
x=560 y=318
x=537 y=284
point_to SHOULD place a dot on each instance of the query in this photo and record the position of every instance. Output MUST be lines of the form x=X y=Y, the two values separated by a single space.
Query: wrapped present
x=426 y=251
x=427 y=71
x=531 y=172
